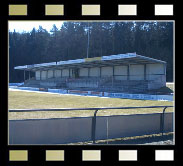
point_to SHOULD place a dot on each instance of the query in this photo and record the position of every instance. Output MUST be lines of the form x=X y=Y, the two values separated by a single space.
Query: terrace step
x=130 y=86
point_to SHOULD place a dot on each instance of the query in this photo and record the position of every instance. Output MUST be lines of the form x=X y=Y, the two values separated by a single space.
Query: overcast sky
x=27 y=26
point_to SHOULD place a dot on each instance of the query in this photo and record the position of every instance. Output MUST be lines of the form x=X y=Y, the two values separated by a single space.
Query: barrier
x=105 y=94
x=28 y=88
x=97 y=93
x=72 y=130
x=14 y=87
x=164 y=97
x=16 y=84
x=53 y=90
x=78 y=92
x=139 y=96
x=34 y=89
x=57 y=90
x=43 y=89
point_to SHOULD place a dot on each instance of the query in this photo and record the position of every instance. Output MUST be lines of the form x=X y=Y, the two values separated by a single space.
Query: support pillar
x=165 y=69
x=53 y=73
x=40 y=74
x=113 y=71
x=128 y=72
x=112 y=76
x=145 y=72
x=165 y=73
x=29 y=75
x=24 y=75
x=88 y=72
x=47 y=74
x=100 y=72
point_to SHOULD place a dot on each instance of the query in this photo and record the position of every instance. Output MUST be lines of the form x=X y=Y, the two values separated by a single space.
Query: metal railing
x=95 y=114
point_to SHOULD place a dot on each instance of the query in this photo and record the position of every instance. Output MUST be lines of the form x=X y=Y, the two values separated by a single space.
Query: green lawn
x=32 y=100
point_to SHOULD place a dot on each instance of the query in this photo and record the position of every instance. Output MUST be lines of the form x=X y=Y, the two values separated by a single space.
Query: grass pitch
x=33 y=100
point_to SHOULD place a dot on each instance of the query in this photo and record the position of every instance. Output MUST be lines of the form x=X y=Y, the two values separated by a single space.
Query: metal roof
x=112 y=60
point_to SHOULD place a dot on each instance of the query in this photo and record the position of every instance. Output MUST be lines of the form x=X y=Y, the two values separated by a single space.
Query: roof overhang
x=112 y=60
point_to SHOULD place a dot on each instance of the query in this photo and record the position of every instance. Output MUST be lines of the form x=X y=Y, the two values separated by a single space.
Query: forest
x=74 y=39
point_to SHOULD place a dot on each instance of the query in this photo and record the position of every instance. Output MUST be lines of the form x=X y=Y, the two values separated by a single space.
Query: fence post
x=94 y=125
x=162 y=120
x=112 y=81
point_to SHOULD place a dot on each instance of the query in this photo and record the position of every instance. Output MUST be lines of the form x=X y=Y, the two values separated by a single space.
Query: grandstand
x=128 y=72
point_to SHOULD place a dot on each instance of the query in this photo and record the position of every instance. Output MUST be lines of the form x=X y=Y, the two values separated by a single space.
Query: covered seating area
x=122 y=72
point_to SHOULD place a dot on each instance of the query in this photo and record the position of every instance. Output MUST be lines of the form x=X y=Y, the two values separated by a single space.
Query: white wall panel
x=83 y=72
x=43 y=75
x=65 y=73
x=154 y=71
x=107 y=71
x=95 y=72
x=50 y=73
x=136 y=72
x=120 y=70
x=57 y=73
x=37 y=75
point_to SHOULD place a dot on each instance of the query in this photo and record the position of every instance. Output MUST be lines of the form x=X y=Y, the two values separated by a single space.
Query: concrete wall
x=37 y=75
x=65 y=73
x=95 y=72
x=136 y=125
x=157 y=83
x=70 y=130
x=48 y=84
x=120 y=70
x=136 y=72
x=83 y=72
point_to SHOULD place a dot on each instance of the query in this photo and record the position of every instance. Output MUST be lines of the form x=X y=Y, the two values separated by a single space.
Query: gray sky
x=27 y=26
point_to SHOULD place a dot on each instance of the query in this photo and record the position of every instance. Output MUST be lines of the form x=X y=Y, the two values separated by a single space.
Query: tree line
x=70 y=41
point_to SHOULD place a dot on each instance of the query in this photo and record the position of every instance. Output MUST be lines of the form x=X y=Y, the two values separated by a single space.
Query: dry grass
x=153 y=139
x=32 y=100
